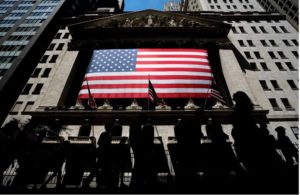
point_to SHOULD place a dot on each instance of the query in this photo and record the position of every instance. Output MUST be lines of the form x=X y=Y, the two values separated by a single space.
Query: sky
x=135 y=5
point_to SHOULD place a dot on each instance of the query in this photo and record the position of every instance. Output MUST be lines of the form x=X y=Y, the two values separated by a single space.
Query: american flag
x=152 y=94
x=124 y=73
x=217 y=96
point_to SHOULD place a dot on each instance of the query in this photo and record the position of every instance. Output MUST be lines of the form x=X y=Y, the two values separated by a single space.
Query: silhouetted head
x=84 y=130
x=108 y=126
x=242 y=101
x=148 y=133
x=280 y=130
x=104 y=139
x=116 y=130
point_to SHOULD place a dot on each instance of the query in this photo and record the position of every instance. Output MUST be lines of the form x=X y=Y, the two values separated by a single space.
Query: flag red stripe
x=172 y=62
x=170 y=50
x=145 y=77
x=173 y=69
x=145 y=95
x=111 y=86
x=170 y=56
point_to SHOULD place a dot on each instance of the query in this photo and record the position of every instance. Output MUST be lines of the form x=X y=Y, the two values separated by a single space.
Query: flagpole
x=148 y=91
x=207 y=93
x=93 y=130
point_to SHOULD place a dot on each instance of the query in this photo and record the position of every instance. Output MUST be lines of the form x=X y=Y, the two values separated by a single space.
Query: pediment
x=151 y=19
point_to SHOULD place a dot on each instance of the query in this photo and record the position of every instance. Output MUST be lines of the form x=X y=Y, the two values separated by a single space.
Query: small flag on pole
x=217 y=96
x=152 y=94
x=91 y=101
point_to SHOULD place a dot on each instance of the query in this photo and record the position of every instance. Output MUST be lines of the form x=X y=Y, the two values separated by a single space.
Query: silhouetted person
x=188 y=134
x=103 y=167
x=84 y=130
x=250 y=143
x=59 y=154
x=149 y=171
x=288 y=149
x=145 y=166
x=28 y=160
x=245 y=132
x=135 y=140
x=219 y=159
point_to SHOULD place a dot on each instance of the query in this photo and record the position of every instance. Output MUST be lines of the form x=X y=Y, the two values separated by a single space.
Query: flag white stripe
x=126 y=81
x=186 y=73
x=173 y=53
x=172 y=66
x=145 y=90
x=170 y=59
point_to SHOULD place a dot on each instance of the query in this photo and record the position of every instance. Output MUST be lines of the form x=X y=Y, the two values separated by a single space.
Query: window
x=16 y=107
x=46 y=72
x=279 y=66
x=53 y=59
x=66 y=35
x=257 y=55
x=274 y=104
x=275 y=85
x=283 y=29
x=247 y=54
x=295 y=54
x=26 y=89
x=253 y=66
x=37 y=89
x=264 y=66
x=254 y=29
x=264 y=43
x=295 y=42
x=28 y=106
x=44 y=59
x=295 y=131
x=36 y=73
x=292 y=85
x=264 y=85
x=275 y=29
x=234 y=30
x=60 y=46
x=242 y=29
x=250 y=43
x=241 y=42
x=263 y=29
x=272 y=55
x=287 y=104
x=273 y=43
x=282 y=55
x=290 y=66
x=57 y=36
x=286 y=42
x=51 y=47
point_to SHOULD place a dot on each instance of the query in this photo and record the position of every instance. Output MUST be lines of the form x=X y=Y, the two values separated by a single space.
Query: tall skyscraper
x=172 y=5
x=289 y=8
x=21 y=23
x=26 y=27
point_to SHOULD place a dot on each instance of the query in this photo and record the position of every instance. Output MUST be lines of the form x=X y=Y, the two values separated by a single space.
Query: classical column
x=234 y=76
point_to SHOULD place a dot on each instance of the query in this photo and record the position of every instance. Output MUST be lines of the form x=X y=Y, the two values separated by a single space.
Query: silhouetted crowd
x=255 y=163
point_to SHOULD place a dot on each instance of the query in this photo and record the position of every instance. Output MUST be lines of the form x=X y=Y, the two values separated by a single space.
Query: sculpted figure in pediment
x=128 y=23
x=149 y=21
x=172 y=22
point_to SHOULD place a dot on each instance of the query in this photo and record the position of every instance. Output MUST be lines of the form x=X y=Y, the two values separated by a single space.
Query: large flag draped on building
x=125 y=73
